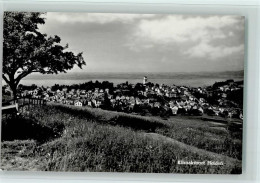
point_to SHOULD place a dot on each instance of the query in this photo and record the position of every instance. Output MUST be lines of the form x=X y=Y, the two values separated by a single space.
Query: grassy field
x=67 y=138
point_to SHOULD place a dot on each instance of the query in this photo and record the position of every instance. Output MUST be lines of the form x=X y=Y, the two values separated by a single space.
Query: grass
x=105 y=141
x=188 y=130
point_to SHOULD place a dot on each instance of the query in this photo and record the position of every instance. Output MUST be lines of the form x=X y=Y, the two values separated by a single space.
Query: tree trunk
x=14 y=91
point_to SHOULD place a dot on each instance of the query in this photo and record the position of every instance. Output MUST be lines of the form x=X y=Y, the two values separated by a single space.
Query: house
x=88 y=94
x=90 y=103
x=138 y=101
x=35 y=92
x=99 y=103
x=201 y=109
x=96 y=90
x=230 y=115
x=188 y=107
x=82 y=96
x=48 y=89
x=46 y=95
x=221 y=109
x=202 y=100
x=226 y=88
x=172 y=103
x=157 y=104
x=78 y=103
x=146 y=101
x=151 y=104
x=192 y=103
x=78 y=92
x=230 y=81
x=69 y=102
x=191 y=98
x=131 y=98
x=186 y=92
x=94 y=101
x=184 y=97
x=131 y=101
x=241 y=115
x=132 y=104
x=180 y=103
x=233 y=88
x=83 y=92
x=72 y=91
x=171 y=94
x=174 y=110
x=25 y=93
x=209 y=93
x=216 y=112
x=112 y=101
x=65 y=90
x=122 y=97
x=224 y=95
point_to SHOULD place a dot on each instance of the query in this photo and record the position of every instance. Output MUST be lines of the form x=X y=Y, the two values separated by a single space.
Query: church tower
x=145 y=80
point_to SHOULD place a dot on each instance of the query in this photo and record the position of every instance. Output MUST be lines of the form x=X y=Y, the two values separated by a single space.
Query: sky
x=151 y=42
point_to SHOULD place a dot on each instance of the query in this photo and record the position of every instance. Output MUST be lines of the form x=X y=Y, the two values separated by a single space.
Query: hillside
x=67 y=138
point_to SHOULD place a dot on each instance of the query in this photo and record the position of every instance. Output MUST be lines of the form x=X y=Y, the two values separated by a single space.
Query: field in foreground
x=63 y=138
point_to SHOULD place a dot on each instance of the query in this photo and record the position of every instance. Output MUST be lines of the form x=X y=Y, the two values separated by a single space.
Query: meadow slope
x=67 y=138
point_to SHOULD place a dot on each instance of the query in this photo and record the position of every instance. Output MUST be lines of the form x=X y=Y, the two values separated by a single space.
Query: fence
x=12 y=107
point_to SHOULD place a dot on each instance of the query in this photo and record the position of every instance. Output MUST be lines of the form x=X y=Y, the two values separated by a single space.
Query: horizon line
x=83 y=72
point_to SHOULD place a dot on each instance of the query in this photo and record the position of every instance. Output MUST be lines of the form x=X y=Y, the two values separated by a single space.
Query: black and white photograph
x=110 y=92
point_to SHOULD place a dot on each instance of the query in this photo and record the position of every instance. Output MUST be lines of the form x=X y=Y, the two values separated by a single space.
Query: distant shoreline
x=181 y=79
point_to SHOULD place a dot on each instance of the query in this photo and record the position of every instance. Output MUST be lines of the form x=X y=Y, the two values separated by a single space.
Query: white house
x=174 y=110
x=89 y=103
x=78 y=103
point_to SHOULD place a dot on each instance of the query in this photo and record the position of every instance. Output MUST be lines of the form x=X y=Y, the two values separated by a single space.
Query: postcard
x=108 y=92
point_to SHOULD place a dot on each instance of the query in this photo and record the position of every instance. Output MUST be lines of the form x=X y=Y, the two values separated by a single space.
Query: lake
x=180 y=79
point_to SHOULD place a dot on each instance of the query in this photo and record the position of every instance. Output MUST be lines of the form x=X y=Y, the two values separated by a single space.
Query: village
x=147 y=98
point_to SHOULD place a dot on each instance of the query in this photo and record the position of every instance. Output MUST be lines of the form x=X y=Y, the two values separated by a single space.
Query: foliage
x=86 y=86
x=236 y=96
x=26 y=50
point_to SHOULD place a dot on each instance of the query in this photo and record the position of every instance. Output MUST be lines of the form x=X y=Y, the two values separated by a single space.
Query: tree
x=26 y=50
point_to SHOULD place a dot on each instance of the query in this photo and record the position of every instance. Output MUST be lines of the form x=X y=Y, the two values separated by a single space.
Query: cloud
x=136 y=42
x=132 y=45
x=213 y=52
x=181 y=29
x=195 y=36
x=100 y=18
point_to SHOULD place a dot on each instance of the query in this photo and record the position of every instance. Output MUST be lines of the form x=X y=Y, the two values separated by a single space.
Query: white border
x=249 y=9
